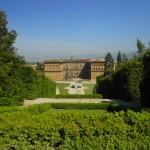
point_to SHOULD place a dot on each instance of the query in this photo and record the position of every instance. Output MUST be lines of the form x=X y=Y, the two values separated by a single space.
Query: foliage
x=141 y=47
x=7 y=38
x=39 y=108
x=16 y=79
x=22 y=128
x=124 y=57
x=119 y=58
x=109 y=61
x=131 y=80
x=80 y=96
x=124 y=83
x=145 y=85
x=39 y=66
x=37 y=85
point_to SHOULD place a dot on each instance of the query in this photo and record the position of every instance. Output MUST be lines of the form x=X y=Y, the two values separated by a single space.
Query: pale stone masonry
x=67 y=69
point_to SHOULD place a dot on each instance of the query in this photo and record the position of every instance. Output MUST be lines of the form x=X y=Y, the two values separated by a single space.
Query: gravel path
x=63 y=100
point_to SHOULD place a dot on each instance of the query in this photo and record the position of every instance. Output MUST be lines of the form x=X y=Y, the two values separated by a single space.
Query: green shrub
x=73 y=129
x=25 y=83
x=44 y=107
x=88 y=106
x=124 y=83
x=17 y=81
x=80 y=96
x=40 y=86
x=145 y=85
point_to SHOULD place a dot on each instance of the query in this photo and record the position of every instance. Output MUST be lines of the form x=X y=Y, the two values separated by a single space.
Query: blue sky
x=82 y=28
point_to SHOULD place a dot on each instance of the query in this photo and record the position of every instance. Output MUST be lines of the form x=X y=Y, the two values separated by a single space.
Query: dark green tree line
x=131 y=81
x=17 y=81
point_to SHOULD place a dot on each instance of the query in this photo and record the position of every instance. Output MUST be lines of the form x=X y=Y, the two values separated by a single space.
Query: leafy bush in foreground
x=73 y=129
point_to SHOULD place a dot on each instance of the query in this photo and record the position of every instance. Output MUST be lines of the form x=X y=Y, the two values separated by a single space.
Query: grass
x=90 y=87
x=88 y=91
x=61 y=87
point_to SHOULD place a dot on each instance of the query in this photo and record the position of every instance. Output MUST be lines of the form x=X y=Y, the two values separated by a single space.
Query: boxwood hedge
x=22 y=128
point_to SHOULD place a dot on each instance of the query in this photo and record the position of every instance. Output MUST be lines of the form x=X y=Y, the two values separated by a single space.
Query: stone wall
x=73 y=69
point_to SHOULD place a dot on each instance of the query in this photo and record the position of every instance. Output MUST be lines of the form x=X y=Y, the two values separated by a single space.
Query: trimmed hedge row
x=44 y=107
x=73 y=129
x=80 y=96
x=25 y=84
x=145 y=85
x=124 y=83
x=131 y=82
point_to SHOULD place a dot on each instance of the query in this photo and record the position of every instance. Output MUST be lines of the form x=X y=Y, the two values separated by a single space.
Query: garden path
x=63 y=100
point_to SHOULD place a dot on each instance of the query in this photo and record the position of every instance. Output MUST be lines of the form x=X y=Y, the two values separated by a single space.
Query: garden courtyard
x=74 y=87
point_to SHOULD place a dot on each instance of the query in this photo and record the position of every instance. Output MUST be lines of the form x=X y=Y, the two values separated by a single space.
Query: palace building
x=68 y=69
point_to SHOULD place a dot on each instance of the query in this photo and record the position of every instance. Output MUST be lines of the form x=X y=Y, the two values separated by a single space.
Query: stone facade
x=67 y=69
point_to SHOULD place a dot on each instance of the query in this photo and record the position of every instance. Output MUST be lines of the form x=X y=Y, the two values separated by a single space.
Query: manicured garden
x=43 y=127
x=62 y=88
x=71 y=126
x=89 y=87
x=95 y=96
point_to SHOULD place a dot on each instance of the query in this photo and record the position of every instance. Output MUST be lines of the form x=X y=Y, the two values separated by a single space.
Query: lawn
x=61 y=87
x=89 y=88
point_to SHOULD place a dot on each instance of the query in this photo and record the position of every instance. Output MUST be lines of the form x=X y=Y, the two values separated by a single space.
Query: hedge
x=124 y=84
x=26 y=83
x=145 y=85
x=90 y=106
x=80 y=96
x=74 y=129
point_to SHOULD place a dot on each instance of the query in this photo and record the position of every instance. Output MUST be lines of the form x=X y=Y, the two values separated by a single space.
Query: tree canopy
x=119 y=58
x=109 y=62
x=140 y=46
x=17 y=81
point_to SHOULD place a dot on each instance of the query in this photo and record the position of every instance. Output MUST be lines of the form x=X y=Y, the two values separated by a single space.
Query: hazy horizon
x=87 y=28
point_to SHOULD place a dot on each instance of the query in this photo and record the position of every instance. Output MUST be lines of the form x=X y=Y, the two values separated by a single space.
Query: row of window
x=73 y=67
x=52 y=68
x=98 y=68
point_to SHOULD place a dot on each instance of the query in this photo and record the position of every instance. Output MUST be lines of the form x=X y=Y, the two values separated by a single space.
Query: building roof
x=93 y=60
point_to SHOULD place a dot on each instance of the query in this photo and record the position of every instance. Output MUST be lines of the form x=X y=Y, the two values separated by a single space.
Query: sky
x=81 y=28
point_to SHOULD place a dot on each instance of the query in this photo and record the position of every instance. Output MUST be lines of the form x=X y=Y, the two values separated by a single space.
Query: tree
x=141 y=47
x=17 y=81
x=7 y=38
x=119 y=58
x=148 y=49
x=39 y=66
x=124 y=57
x=109 y=62
x=11 y=86
x=145 y=84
